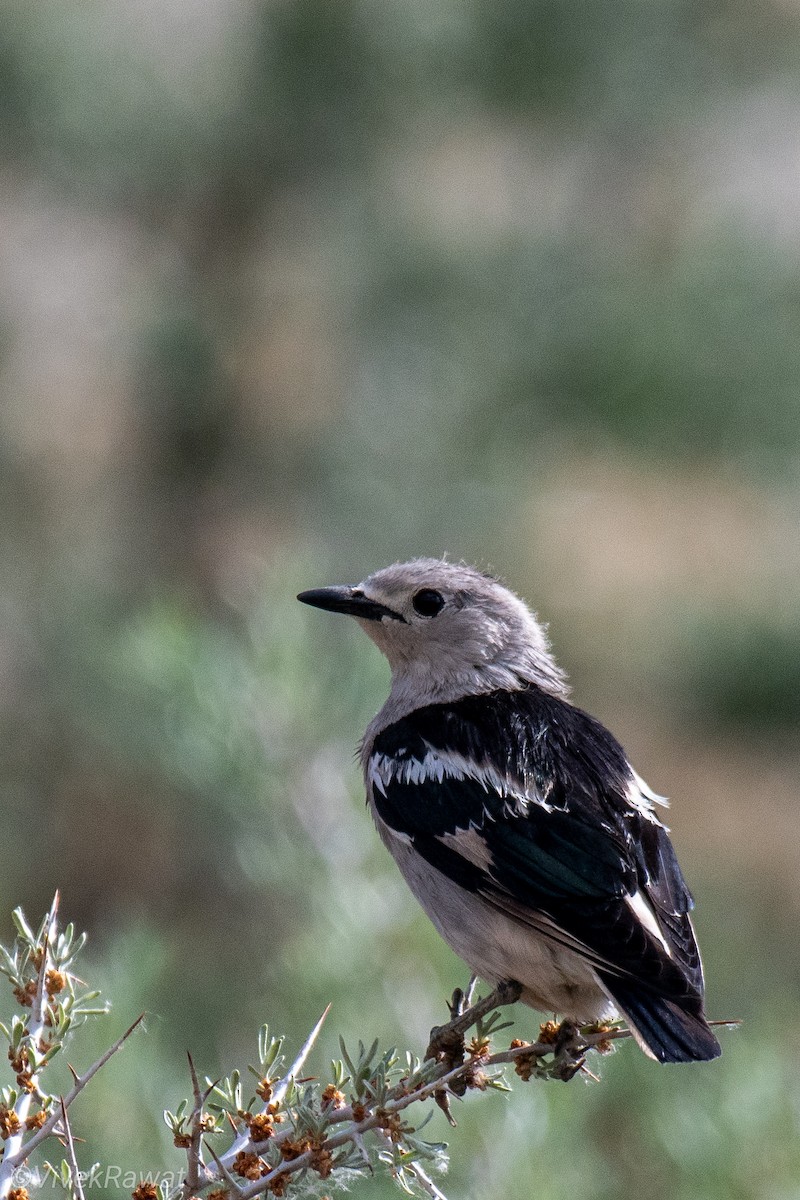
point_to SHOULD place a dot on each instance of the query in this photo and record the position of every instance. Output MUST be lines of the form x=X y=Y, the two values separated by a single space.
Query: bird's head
x=447 y=629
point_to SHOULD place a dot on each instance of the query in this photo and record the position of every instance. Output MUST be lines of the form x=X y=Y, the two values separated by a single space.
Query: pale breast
x=498 y=946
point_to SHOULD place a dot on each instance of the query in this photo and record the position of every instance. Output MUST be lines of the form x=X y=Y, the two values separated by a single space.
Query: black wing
x=553 y=798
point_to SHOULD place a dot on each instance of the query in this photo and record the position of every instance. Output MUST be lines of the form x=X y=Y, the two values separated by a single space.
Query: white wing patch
x=645 y=915
x=642 y=797
x=470 y=845
x=438 y=765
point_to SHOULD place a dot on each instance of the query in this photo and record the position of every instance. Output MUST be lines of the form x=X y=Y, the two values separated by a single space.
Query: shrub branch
x=293 y=1132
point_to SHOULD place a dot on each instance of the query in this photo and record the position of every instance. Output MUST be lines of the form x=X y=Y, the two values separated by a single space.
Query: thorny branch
x=53 y=1002
x=53 y=1124
x=24 y=1055
x=296 y=1131
x=347 y=1124
x=196 y=1168
x=73 y=1162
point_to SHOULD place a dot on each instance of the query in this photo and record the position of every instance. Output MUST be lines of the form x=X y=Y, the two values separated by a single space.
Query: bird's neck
x=416 y=685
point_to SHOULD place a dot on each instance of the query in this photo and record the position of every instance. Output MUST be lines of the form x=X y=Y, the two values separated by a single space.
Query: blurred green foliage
x=293 y=290
x=746 y=675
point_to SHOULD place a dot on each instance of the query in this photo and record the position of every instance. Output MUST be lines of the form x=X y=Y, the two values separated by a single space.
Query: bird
x=515 y=817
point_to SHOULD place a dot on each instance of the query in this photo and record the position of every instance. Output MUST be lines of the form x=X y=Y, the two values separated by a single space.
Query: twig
x=422 y=1176
x=195 y=1164
x=426 y=1182
x=12 y=1161
x=358 y=1142
x=224 y=1173
x=77 y=1186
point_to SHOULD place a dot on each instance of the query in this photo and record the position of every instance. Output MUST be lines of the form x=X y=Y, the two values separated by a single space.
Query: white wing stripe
x=439 y=765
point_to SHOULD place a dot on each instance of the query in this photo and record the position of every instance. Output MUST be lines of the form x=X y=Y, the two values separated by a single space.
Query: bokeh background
x=290 y=290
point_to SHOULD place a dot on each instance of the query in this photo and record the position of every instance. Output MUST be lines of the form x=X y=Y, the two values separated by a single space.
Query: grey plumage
x=515 y=818
x=484 y=639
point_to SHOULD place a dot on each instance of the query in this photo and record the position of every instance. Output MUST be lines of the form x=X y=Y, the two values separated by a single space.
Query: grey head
x=448 y=630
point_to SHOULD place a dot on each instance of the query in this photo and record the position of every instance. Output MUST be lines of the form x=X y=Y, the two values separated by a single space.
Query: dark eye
x=428 y=603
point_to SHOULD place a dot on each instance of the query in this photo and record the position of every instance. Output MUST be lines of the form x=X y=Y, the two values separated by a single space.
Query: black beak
x=348 y=600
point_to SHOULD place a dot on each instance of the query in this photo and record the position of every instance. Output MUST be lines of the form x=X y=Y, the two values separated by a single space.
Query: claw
x=442 y=1098
x=447 y=1041
x=457 y=1003
x=568 y=1056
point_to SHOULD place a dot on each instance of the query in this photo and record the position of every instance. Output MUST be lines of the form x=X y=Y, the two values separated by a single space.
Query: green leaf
x=23 y=928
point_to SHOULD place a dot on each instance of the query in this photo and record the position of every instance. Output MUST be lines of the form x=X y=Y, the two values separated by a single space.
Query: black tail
x=663 y=1029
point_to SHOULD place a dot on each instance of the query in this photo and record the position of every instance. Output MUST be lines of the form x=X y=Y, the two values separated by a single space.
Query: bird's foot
x=568 y=1051
x=447 y=1044
x=447 y=1041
